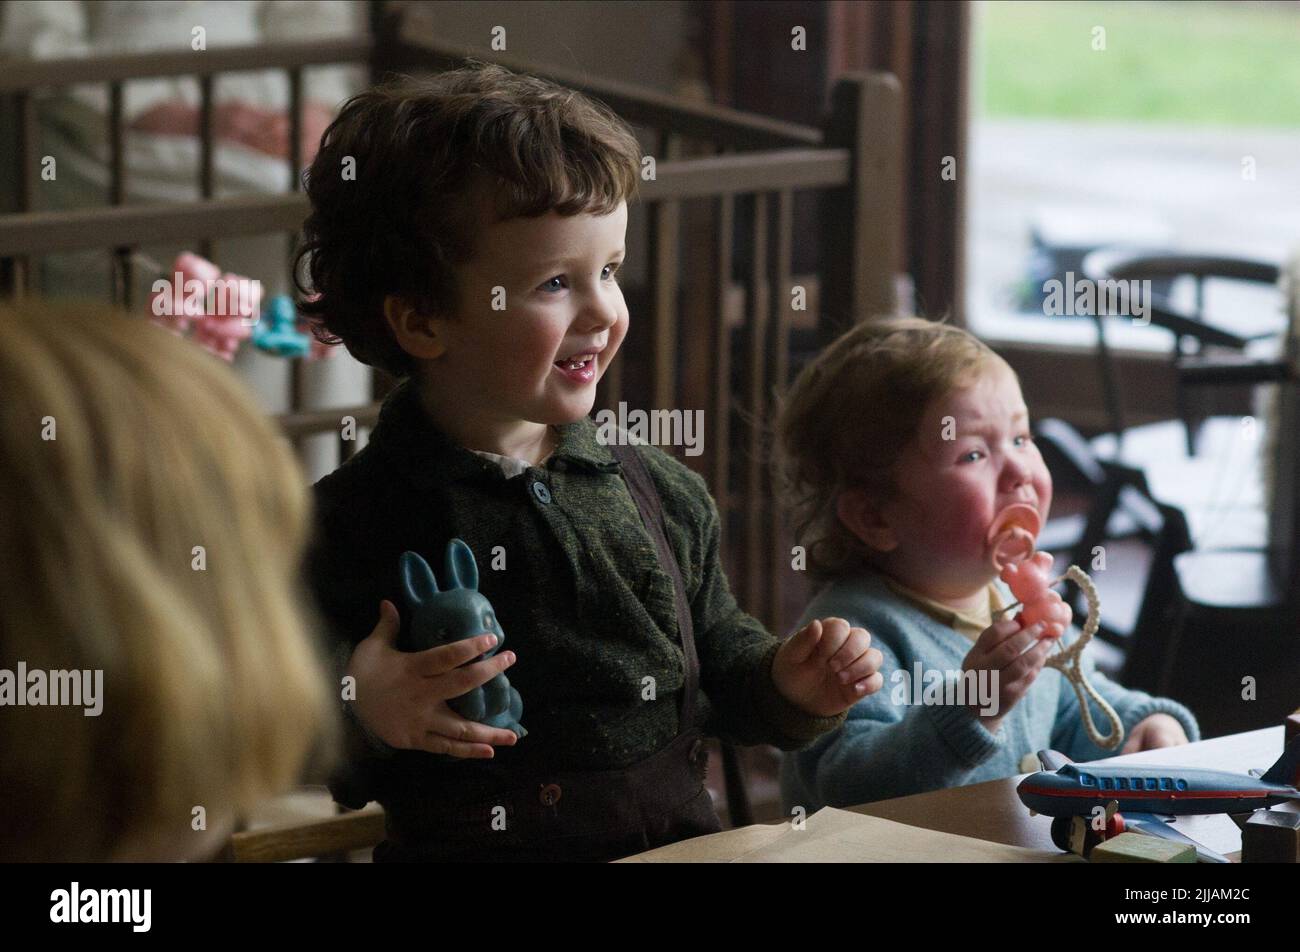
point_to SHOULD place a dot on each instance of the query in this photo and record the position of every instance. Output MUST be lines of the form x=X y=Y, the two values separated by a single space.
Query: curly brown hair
x=406 y=167
x=851 y=413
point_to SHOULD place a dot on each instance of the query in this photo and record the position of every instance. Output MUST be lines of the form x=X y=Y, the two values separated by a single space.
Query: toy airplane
x=1143 y=795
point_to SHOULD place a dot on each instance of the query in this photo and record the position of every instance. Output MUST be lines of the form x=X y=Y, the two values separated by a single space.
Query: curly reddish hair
x=403 y=172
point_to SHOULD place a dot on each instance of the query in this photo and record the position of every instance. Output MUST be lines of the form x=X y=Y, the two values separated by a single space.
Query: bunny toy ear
x=418 y=582
x=462 y=570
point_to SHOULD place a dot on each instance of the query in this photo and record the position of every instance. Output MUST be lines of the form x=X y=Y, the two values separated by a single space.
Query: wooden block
x=1241 y=819
x=1271 y=836
x=1292 y=726
x=1082 y=837
x=1140 y=848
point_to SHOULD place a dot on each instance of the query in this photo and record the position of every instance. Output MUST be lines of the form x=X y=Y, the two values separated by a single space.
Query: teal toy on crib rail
x=277 y=332
x=441 y=616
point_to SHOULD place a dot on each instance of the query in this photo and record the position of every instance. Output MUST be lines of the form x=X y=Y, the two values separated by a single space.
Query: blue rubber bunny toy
x=440 y=617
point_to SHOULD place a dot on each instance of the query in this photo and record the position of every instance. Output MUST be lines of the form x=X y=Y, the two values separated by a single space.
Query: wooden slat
x=302 y=423
x=347 y=448
x=748 y=172
x=116 y=146
x=120 y=274
x=25 y=148
x=295 y=183
x=611 y=384
x=720 y=428
x=207 y=147
x=295 y=387
x=664 y=221
x=781 y=299
x=664 y=236
x=295 y=127
x=697 y=296
x=67 y=71
x=756 y=379
x=340 y=834
x=119 y=262
x=712 y=176
x=867 y=216
x=48 y=232
x=24 y=269
x=419 y=46
x=21 y=277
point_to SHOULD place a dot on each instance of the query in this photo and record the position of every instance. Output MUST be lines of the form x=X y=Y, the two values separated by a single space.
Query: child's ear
x=416 y=333
x=863 y=518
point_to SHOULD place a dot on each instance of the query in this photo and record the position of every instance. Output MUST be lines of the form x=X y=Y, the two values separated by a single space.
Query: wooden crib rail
x=298 y=424
x=28 y=75
x=24 y=79
x=42 y=233
x=412 y=44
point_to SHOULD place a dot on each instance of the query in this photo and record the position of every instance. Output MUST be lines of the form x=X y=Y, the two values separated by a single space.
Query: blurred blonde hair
x=213 y=695
x=849 y=415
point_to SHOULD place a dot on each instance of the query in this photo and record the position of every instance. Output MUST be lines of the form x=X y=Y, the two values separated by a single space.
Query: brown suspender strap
x=647 y=500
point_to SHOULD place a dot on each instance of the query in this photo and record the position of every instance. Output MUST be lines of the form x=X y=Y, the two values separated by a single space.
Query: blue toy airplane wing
x=1153 y=825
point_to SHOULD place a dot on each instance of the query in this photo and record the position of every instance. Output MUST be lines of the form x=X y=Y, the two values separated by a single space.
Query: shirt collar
x=953 y=617
x=409 y=438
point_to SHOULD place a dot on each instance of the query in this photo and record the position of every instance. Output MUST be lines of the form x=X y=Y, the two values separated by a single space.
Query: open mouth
x=577 y=362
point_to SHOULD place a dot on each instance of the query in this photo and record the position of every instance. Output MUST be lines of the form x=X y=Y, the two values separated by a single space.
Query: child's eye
x=1024 y=439
x=554 y=284
x=973 y=456
x=608 y=271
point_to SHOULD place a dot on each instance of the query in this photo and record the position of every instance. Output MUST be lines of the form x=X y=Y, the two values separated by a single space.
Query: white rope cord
x=1067 y=661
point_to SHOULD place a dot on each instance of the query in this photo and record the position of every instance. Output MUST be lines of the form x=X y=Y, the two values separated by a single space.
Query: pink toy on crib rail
x=198 y=284
x=1026 y=572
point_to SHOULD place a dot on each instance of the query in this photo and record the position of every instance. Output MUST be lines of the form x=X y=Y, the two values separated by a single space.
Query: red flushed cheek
x=957 y=528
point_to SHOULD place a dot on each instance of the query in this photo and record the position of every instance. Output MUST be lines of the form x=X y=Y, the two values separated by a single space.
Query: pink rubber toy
x=231 y=321
x=188 y=266
x=1026 y=572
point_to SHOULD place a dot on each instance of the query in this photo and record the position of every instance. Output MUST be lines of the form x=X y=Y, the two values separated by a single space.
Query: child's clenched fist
x=827 y=666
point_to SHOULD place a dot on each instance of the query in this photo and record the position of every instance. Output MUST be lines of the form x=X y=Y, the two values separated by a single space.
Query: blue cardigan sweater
x=890 y=747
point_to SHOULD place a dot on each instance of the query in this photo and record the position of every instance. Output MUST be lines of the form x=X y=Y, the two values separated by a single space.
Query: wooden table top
x=992 y=811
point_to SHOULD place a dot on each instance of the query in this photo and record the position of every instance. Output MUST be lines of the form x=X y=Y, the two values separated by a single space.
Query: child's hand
x=827 y=666
x=1000 y=649
x=402 y=696
x=1158 y=730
